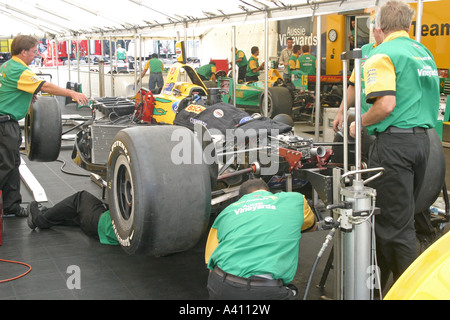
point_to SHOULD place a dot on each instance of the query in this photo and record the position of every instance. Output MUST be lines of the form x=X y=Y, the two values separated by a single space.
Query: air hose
x=19 y=276
x=327 y=241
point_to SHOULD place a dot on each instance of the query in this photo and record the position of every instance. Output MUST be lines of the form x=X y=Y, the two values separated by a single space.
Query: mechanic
x=121 y=53
x=156 y=68
x=253 y=66
x=285 y=55
x=208 y=71
x=351 y=36
x=253 y=246
x=18 y=88
x=402 y=84
x=241 y=62
x=294 y=62
x=307 y=61
x=80 y=209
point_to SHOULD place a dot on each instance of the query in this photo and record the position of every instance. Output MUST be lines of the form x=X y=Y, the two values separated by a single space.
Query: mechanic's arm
x=213 y=73
x=339 y=119
x=380 y=79
x=211 y=244
x=381 y=108
x=53 y=89
x=309 y=222
x=292 y=65
x=142 y=75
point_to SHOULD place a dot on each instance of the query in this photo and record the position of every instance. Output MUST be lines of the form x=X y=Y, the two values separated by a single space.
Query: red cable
x=22 y=263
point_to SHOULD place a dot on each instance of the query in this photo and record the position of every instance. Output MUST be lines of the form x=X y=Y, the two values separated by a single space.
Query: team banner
x=300 y=30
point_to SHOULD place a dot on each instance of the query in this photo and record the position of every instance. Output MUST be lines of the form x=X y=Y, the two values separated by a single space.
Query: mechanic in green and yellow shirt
x=253 y=66
x=253 y=246
x=241 y=62
x=402 y=86
x=156 y=67
x=18 y=89
x=294 y=62
x=208 y=71
x=80 y=209
x=307 y=61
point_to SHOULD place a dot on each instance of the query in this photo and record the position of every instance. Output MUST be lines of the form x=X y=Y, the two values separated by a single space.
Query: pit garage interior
x=107 y=272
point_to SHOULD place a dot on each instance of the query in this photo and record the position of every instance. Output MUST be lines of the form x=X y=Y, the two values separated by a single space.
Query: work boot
x=32 y=210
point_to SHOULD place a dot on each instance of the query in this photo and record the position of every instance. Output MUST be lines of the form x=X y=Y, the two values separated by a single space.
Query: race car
x=250 y=95
x=169 y=161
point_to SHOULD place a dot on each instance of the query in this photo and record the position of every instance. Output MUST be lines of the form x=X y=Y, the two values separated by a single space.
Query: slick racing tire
x=43 y=129
x=159 y=204
x=280 y=101
x=434 y=174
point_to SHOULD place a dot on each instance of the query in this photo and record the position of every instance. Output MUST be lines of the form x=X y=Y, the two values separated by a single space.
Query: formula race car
x=169 y=161
x=295 y=98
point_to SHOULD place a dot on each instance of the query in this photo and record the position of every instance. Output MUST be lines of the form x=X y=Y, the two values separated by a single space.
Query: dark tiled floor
x=107 y=272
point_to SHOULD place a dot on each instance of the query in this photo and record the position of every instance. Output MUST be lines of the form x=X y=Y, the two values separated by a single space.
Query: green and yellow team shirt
x=105 y=229
x=293 y=63
x=207 y=70
x=252 y=64
x=365 y=51
x=260 y=234
x=154 y=65
x=18 y=84
x=240 y=54
x=406 y=69
x=307 y=64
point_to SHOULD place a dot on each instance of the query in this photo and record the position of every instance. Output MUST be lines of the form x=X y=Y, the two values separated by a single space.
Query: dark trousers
x=241 y=73
x=404 y=157
x=10 y=141
x=80 y=209
x=221 y=288
x=156 y=79
x=252 y=78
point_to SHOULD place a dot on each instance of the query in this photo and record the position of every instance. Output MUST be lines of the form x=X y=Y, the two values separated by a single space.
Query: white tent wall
x=217 y=43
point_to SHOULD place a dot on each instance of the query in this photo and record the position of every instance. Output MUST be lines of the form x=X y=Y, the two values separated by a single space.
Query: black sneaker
x=32 y=210
x=22 y=212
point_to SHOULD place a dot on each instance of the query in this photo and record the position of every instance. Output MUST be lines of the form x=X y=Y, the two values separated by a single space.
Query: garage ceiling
x=93 y=18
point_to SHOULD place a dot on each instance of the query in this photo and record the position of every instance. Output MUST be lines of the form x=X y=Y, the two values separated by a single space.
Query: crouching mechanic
x=253 y=246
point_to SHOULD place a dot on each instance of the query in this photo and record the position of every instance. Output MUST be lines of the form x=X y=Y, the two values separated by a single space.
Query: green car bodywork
x=250 y=95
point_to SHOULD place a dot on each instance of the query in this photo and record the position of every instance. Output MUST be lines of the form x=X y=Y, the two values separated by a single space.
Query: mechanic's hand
x=353 y=129
x=338 y=121
x=80 y=98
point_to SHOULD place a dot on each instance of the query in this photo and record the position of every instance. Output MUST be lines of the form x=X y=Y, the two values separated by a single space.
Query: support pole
x=233 y=63
x=266 y=70
x=318 y=66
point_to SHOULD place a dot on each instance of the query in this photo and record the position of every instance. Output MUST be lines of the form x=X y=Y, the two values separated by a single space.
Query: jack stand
x=354 y=208
x=356 y=212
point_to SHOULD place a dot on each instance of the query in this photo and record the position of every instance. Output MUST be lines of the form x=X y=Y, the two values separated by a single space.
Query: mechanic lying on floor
x=80 y=209
x=253 y=246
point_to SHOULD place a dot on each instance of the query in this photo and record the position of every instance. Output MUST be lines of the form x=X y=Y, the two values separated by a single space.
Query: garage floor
x=107 y=272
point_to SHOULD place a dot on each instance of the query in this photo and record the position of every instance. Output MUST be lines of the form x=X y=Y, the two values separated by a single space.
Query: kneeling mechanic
x=253 y=246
